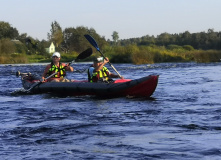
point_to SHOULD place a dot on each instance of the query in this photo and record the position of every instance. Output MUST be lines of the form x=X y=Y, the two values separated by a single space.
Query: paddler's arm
x=69 y=68
x=45 y=72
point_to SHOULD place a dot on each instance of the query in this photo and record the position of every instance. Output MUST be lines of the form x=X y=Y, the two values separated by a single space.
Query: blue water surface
x=181 y=120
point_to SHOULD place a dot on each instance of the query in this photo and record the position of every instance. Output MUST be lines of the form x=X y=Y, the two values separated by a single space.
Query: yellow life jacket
x=59 y=69
x=104 y=74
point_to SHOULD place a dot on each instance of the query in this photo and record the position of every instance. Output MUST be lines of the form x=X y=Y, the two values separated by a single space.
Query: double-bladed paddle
x=94 y=43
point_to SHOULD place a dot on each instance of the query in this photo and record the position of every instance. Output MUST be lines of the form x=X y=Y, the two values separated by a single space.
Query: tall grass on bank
x=146 y=54
x=13 y=59
x=127 y=54
x=207 y=56
x=159 y=54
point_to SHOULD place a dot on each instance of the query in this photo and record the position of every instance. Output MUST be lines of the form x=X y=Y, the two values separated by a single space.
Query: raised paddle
x=94 y=43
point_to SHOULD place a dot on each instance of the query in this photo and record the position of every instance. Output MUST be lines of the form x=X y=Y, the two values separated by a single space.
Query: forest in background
x=179 y=47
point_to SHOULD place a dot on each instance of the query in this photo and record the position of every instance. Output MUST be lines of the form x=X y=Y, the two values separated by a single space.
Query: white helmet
x=57 y=54
x=99 y=59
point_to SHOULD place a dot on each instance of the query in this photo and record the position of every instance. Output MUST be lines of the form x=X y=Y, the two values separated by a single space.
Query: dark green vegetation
x=182 y=47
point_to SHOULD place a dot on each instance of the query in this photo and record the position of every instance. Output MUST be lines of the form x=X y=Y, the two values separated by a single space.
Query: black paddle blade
x=85 y=54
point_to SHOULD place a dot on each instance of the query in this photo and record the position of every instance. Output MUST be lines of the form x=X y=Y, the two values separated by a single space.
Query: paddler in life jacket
x=56 y=66
x=99 y=73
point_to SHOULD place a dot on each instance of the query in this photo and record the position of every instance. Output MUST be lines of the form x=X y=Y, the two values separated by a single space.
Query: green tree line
x=202 y=40
x=182 y=47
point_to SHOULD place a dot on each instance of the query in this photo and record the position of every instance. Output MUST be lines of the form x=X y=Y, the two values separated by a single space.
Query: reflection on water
x=180 y=121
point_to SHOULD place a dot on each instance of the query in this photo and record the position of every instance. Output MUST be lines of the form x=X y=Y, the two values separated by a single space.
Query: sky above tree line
x=130 y=18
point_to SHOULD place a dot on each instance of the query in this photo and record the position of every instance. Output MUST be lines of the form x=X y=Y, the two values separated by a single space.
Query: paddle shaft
x=41 y=82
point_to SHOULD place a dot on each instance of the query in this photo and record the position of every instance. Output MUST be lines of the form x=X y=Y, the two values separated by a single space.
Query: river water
x=181 y=120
